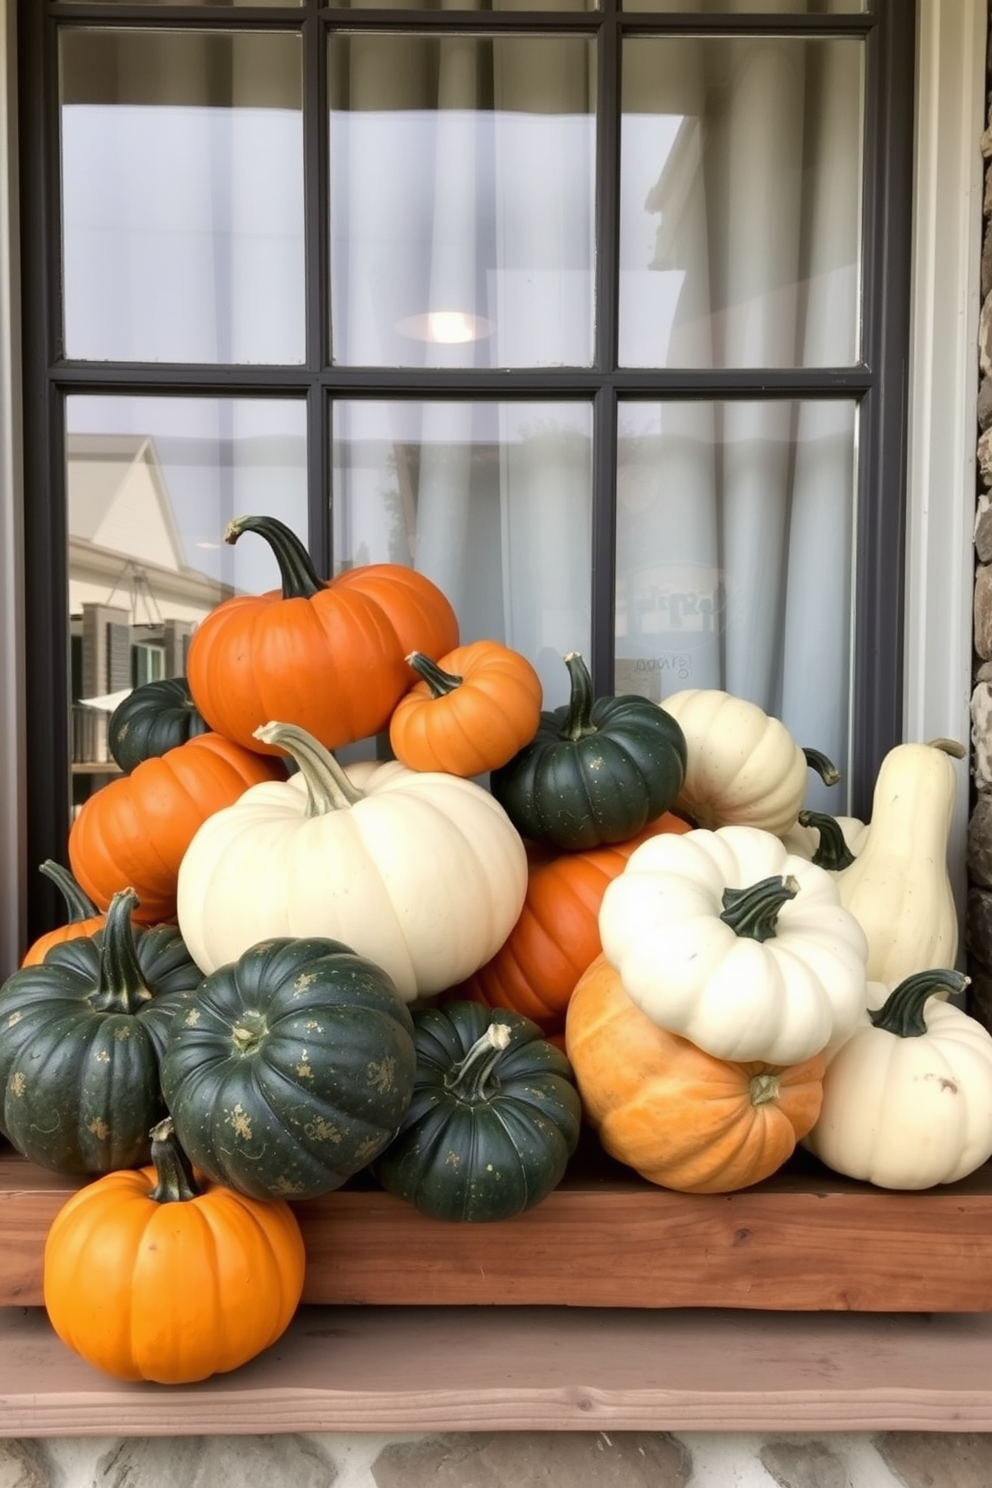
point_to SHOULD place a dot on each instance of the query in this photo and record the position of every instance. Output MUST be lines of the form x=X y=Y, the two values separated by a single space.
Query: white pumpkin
x=727 y=939
x=907 y=1098
x=421 y=872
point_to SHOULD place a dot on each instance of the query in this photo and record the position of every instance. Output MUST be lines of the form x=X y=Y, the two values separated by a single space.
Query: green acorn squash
x=152 y=719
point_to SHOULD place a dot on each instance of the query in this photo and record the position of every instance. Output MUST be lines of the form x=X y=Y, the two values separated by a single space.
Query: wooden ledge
x=531 y=1369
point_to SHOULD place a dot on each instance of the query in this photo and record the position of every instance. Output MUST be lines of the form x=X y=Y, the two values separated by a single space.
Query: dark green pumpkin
x=596 y=771
x=291 y=1069
x=81 y=1039
x=155 y=717
x=493 y=1119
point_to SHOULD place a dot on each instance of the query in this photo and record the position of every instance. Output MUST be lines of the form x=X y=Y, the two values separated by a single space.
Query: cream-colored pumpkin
x=727 y=939
x=421 y=872
x=743 y=767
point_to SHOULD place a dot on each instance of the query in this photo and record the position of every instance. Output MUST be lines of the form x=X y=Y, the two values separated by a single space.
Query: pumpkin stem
x=948 y=746
x=754 y=911
x=468 y=1079
x=824 y=767
x=764 y=1088
x=328 y=787
x=439 y=682
x=903 y=1012
x=120 y=985
x=832 y=852
x=79 y=905
x=174 y=1181
x=299 y=577
x=578 y=720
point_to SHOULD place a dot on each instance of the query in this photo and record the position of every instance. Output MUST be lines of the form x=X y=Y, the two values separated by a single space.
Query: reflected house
x=134 y=601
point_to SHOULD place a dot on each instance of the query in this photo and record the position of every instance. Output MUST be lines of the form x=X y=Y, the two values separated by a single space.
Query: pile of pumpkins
x=279 y=971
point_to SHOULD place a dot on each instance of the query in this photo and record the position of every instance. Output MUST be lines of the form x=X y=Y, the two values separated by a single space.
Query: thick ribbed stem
x=832 y=852
x=174 y=1180
x=121 y=986
x=299 y=577
x=754 y=911
x=439 y=682
x=824 y=767
x=328 y=787
x=79 y=905
x=468 y=1079
x=578 y=721
x=903 y=1012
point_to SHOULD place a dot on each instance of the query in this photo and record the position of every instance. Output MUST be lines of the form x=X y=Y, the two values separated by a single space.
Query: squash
x=724 y=938
x=470 y=712
x=556 y=934
x=596 y=771
x=291 y=1069
x=899 y=887
x=155 y=717
x=81 y=1038
x=422 y=872
x=328 y=656
x=743 y=767
x=493 y=1119
x=84 y=917
x=678 y=1116
x=133 y=832
x=150 y=1276
x=907 y=1098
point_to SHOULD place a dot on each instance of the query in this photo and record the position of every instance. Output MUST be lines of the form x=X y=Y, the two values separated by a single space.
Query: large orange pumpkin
x=327 y=656
x=134 y=831
x=556 y=935
x=681 y=1118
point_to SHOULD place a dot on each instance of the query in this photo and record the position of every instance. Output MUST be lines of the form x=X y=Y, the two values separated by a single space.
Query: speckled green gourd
x=154 y=718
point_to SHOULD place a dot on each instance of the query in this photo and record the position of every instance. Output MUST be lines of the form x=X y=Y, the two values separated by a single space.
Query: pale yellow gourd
x=898 y=887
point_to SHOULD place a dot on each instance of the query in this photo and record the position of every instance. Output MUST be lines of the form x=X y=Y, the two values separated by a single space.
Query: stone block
x=983 y=527
x=807 y=1464
x=984 y=451
x=217 y=1462
x=983 y=612
x=981 y=734
x=923 y=1459
x=978 y=925
x=536 y=1459
x=24 y=1465
x=985 y=386
x=980 y=842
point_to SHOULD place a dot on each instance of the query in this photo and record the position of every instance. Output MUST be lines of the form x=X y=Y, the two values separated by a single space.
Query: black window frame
x=879 y=382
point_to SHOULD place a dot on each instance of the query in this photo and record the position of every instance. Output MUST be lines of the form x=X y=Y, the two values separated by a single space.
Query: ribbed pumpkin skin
x=557 y=933
x=170 y=1292
x=486 y=1150
x=84 y=917
x=135 y=830
x=291 y=1070
x=155 y=718
x=679 y=1117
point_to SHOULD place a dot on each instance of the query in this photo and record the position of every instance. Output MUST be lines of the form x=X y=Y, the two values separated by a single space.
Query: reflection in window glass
x=462 y=191
x=744 y=7
x=182 y=195
x=740 y=221
x=492 y=501
x=735 y=554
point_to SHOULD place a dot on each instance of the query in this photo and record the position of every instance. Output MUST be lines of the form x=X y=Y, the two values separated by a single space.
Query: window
x=596 y=314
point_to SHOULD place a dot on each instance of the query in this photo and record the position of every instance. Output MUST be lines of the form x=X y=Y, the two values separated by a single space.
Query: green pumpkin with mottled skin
x=291 y=1068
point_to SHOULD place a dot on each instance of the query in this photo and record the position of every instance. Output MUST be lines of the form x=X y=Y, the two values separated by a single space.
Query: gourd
x=596 y=770
x=556 y=934
x=743 y=767
x=328 y=656
x=471 y=711
x=907 y=1099
x=898 y=887
x=493 y=1119
x=81 y=1038
x=681 y=1118
x=726 y=939
x=154 y=718
x=133 y=832
x=292 y=1068
x=84 y=917
x=150 y=1274
x=420 y=871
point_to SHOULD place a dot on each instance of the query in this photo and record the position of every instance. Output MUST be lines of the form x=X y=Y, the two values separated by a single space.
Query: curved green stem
x=328 y=787
x=439 y=682
x=754 y=911
x=121 y=986
x=299 y=577
x=902 y=1013
x=174 y=1180
x=79 y=905
x=578 y=719
x=468 y=1079
x=824 y=767
x=832 y=851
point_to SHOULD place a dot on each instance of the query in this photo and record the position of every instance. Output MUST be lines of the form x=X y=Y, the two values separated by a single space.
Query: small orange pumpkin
x=84 y=917
x=134 y=831
x=149 y=1276
x=470 y=712
x=681 y=1118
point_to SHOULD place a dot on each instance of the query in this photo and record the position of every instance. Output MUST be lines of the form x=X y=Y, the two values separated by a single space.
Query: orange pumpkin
x=470 y=712
x=84 y=917
x=149 y=1276
x=556 y=935
x=327 y=656
x=681 y=1118
x=134 y=831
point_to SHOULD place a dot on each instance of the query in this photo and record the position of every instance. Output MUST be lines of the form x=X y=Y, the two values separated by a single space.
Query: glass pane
x=493 y=501
x=182 y=196
x=746 y=7
x=192 y=4
x=735 y=553
x=740 y=226
x=468 y=5
x=462 y=200
x=152 y=484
